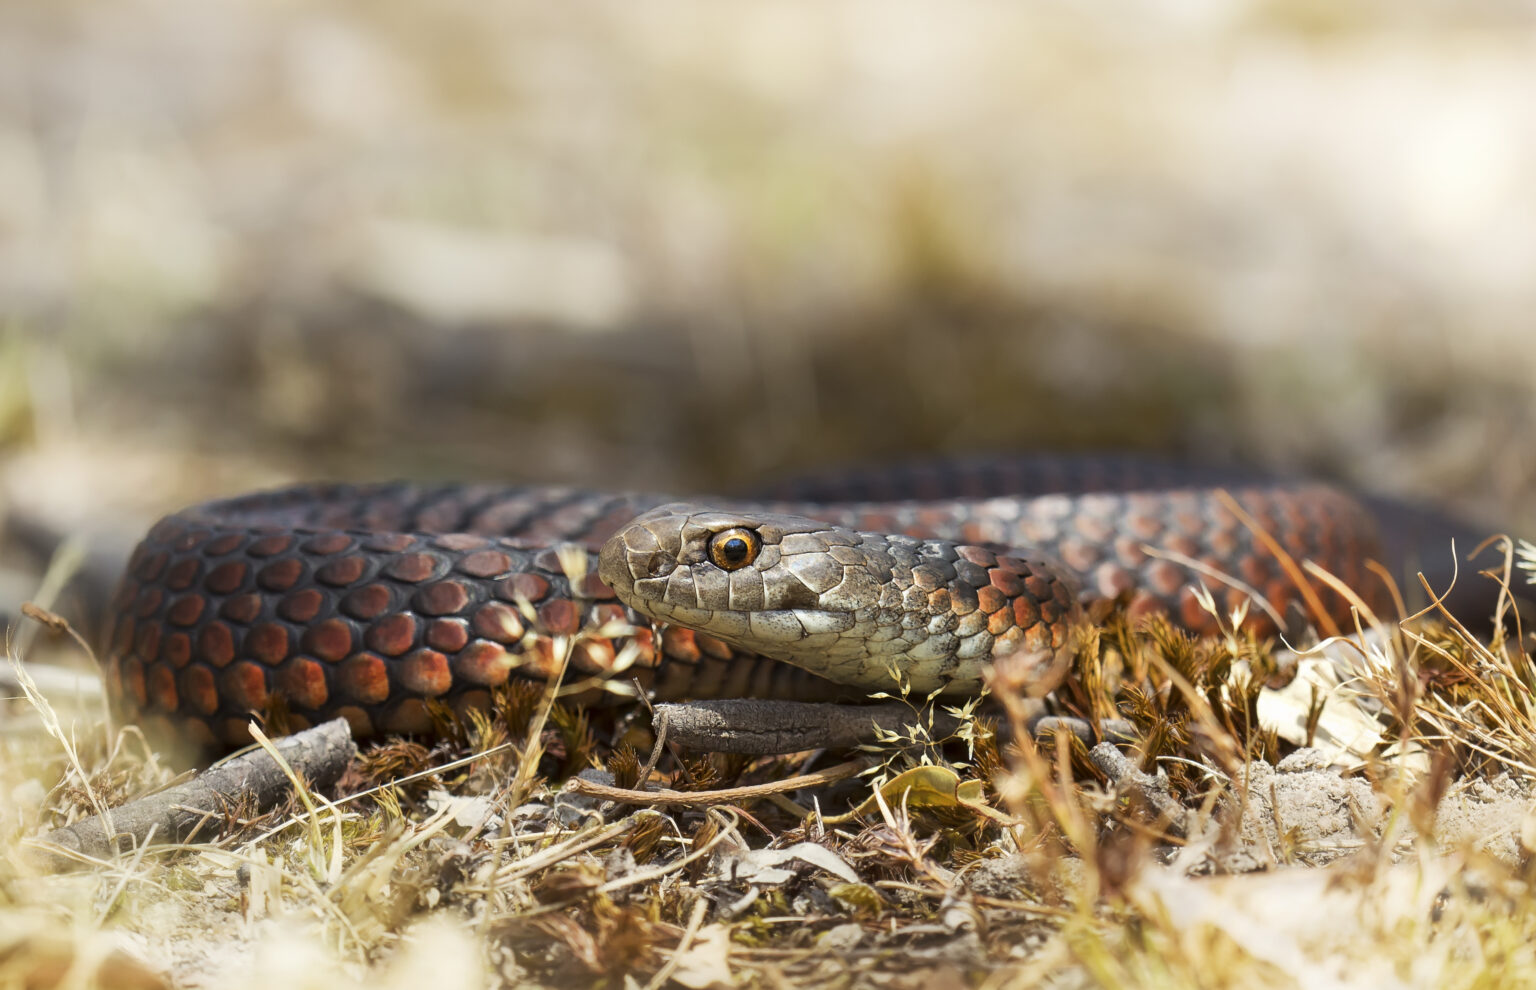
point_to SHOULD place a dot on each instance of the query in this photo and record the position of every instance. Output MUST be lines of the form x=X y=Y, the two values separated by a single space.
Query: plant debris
x=1185 y=809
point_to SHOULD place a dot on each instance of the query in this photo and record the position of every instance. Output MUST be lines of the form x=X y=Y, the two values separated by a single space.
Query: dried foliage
x=985 y=854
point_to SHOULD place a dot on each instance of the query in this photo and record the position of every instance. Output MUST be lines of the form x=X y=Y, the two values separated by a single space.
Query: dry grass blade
x=324 y=866
x=1357 y=604
x=1482 y=701
x=1219 y=576
x=64 y=564
x=726 y=829
x=554 y=854
x=1287 y=563
x=533 y=747
x=62 y=567
x=695 y=922
x=53 y=727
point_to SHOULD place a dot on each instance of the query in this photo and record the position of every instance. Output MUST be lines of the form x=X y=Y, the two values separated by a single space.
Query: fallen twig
x=760 y=727
x=729 y=795
x=176 y=814
x=1158 y=804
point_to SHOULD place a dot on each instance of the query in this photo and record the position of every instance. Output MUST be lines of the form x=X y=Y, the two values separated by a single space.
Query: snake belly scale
x=372 y=601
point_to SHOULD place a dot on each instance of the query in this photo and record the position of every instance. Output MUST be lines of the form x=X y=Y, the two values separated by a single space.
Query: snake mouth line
x=783 y=626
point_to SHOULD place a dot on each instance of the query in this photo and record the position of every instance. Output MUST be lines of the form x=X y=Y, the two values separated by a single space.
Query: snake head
x=779 y=586
x=687 y=558
x=849 y=606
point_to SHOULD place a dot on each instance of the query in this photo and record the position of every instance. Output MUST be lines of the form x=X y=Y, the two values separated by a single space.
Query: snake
x=389 y=603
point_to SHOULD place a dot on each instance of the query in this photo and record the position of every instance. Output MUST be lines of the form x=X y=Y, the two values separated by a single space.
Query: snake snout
x=630 y=555
x=619 y=567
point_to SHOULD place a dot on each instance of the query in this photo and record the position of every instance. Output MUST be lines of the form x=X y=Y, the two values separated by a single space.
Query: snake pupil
x=734 y=549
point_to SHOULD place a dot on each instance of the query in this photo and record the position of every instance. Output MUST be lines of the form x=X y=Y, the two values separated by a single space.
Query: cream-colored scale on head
x=845 y=605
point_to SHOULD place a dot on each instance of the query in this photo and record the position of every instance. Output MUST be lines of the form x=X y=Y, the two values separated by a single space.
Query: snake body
x=372 y=602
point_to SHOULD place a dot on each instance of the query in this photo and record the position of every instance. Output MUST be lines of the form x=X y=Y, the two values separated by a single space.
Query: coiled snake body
x=370 y=601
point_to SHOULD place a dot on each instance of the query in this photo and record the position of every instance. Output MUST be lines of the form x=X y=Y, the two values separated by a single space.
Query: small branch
x=757 y=727
x=729 y=795
x=176 y=814
x=1143 y=788
x=1116 y=730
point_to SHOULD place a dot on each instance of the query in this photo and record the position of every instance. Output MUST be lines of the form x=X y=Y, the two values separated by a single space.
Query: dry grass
x=960 y=860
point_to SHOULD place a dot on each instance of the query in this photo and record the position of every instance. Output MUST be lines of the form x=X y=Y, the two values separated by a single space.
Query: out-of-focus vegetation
x=681 y=245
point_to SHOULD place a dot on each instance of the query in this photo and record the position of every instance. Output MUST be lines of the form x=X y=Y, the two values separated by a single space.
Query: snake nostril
x=646 y=564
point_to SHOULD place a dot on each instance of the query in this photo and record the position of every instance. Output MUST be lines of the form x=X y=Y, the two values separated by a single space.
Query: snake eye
x=733 y=549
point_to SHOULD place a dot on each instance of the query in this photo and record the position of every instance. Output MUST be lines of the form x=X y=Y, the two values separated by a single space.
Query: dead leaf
x=929 y=787
x=706 y=963
x=764 y=865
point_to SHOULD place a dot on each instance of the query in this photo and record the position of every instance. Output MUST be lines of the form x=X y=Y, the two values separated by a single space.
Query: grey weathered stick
x=1113 y=729
x=1161 y=807
x=758 y=727
x=251 y=780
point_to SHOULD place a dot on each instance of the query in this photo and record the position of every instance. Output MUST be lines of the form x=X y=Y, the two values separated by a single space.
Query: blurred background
x=691 y=246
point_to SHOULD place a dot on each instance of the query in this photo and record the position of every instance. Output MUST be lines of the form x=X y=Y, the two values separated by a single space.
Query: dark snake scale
x=371 y=601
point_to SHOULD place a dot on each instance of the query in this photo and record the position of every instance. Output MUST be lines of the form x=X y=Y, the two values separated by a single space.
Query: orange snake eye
x=733 y=549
